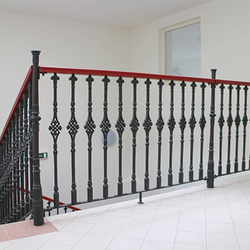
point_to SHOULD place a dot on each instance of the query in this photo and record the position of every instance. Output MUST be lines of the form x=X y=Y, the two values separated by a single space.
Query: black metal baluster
x=182 y=124
x=55 y=129
x=221 y=122
x=30 y=146
x=21 y=157
x=17 y=164
x=1 y=185
x=229 y=124
x=192 y=123
x=210 y=168
x=171 y=126
x=4 y=179
x=26 y=148
x=105 y=127
x=237 y=124
x=120 y=126
x=8 y=181
x=134 y=125
x=14 y=146
x=11 y=171
x=202 y=123
x=159 y=124
x=72 y=128
x=244 y=122
x=90 y=128
x=147 y=127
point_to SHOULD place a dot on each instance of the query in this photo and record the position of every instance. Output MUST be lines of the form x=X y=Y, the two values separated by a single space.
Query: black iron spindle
x=192 y=123
x=244 y=122
x=171 y=126
x=72 y=128
x=21 y=156
x=210 y=168
x=229 y=124
x=134 y=125
x=90 y=128
x=202 y=123
x=14 y=146
x=120 y=126
x=55 y=129
x=26 y=149
x=182 y=124
x=237 y=121
x=221 y=122
x=147 y=127
x=159 y=124
x=105 y=128
x=30 y=146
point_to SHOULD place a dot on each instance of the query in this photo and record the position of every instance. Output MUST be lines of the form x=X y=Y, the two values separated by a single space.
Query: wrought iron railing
x=172 y=96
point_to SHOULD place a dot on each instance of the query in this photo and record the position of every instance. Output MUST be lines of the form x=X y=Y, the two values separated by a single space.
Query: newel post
x=37 y=189
x=210 y=169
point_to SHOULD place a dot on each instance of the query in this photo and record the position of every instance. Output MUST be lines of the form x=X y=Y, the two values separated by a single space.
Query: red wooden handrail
x=19 y=96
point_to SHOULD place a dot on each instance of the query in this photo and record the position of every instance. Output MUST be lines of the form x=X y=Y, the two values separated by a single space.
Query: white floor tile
x=67 y=238
x=191 y=237
x=25 y=244
x=218 y=218
x=241 y=219
x=161 y=235
x=222 y=239
x=220 y=228
x=156 y=245
x=244 y=240
x=216 y=247
x=50 y=246
x=95 y=241
x=186 y=246
x=124 y=244
x=77 y=227
x=192 y=226
x=242 y=229
x=132 y=232
x=164 y=224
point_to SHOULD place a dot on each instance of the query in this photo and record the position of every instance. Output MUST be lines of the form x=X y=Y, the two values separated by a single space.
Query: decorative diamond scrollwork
x=147 y=124
x=72 y=127
x=160 y=124
x=202 y=122
x=90 y=127
x=105 y=126
x=55 y=128
x=182 y=123
x=134 y=125
x=171 y=123
x=120 y=126
x=192 y=122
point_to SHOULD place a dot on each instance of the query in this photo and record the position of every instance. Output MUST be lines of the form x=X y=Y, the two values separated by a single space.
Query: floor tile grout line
x=152 y=221
x=231 y=214
x=179 y=219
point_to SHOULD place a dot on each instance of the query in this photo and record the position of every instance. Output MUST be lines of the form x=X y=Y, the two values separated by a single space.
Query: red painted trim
x=122 y=74
x=19 y=96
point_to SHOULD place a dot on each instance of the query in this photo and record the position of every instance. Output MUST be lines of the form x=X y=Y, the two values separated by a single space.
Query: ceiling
x=120 y=13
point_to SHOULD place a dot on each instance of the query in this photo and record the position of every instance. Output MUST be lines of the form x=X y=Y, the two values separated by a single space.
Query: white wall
x=224 y=39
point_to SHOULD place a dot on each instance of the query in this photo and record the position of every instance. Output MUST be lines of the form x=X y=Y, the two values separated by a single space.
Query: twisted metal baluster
x=134 y=126
x=120 y=126
x=202 y=123
x=147 y=127
x=159 y=124
x=72 y=128
x=244 y=122
x=171 y=126
x=221 y=122
x=26 y=148
x=90 y=128
x=182 y=124
x=237 y=124
x=105 y=128
x=229 y=124
x=55 y=129
x=192 y=123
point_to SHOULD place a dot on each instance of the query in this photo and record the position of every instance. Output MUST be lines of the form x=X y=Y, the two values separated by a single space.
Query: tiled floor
x=194 y=218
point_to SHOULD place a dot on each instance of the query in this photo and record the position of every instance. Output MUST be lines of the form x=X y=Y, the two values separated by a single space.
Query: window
x=183 y=50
